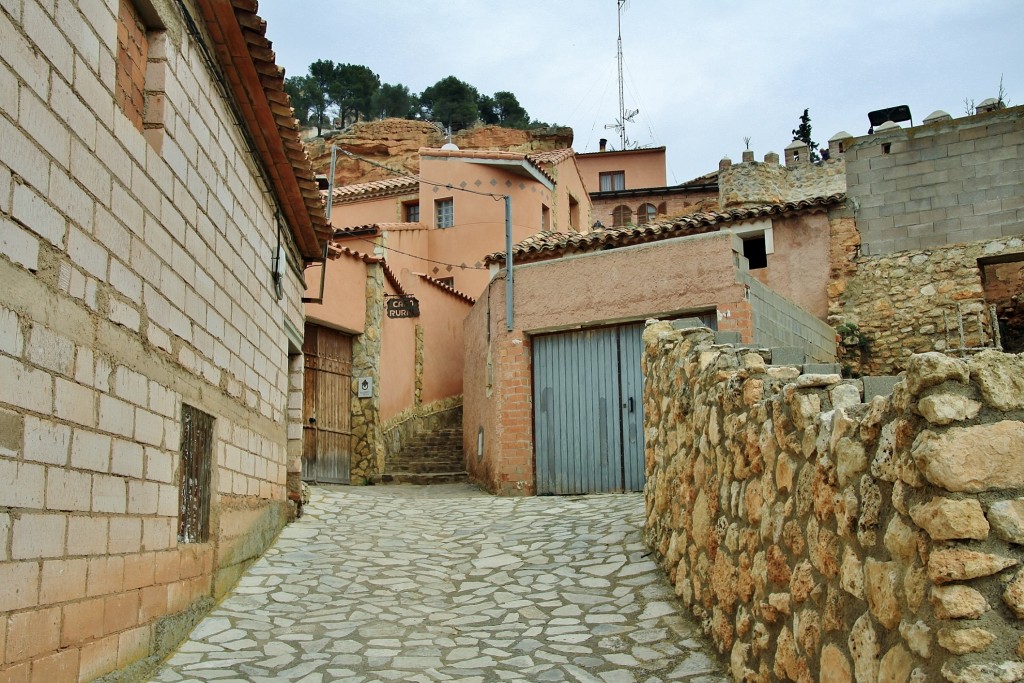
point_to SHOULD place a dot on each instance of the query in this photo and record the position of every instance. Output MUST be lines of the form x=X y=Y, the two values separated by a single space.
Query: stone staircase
x=429 y=457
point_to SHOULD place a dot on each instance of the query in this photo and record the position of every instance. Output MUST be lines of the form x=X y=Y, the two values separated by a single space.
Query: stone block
x=62 y=581
x=948 y=519
x=973 y=459
x=33 y=633
x=87 y=535
x=24 y=386
x=19 y=245
x=68 y=490
x=74 y=403
x=19 y=585
x=38 y=535
x=90 y=451
x=687 y=323
x=822 y=369
x=788 y=355
x=727 y=337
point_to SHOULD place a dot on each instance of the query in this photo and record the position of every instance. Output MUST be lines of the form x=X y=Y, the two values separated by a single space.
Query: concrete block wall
x=943 y=183
x=136 y=277
x=779 y=322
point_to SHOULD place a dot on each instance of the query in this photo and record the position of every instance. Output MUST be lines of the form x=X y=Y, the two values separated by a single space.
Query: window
x=194 y=483
x=613 y=181
x=574 y=214
x=545 y=217
x=445 y=212
x=754 y=248
x=646 y=213
x=623 y=215
x=411 y=212
x=449 y=281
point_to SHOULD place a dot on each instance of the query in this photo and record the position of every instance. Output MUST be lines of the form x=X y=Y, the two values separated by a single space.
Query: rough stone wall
x=941 y=183
x=898 y=300
x=367 y=444
x=817 y=538
x=754 y=183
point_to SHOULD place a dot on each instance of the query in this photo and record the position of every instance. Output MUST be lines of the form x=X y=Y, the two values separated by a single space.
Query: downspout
x=508 y=263
x=327 y=213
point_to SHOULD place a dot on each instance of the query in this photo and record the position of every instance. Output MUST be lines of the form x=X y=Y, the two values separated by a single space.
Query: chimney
x=604 y=144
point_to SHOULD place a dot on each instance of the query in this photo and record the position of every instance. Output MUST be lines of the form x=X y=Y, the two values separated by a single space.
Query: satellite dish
x=450 y=147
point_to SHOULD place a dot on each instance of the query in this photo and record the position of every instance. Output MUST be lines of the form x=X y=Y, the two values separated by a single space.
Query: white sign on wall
x=365 y=387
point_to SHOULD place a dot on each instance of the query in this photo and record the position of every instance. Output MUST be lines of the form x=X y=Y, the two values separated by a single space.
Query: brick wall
x=938 y=184
x=132 y=54
x=136 y=278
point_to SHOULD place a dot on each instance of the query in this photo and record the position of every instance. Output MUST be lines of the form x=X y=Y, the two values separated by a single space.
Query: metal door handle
x=631 y=404
x=312 y=420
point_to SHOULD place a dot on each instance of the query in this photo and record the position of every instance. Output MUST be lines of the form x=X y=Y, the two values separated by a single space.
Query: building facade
x=156 y=215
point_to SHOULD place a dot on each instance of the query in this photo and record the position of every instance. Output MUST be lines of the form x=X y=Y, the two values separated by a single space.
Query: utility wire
x=447 y=186
x=421 y=258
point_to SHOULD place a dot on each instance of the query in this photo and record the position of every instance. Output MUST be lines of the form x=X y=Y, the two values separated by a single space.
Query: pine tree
x=803 y=134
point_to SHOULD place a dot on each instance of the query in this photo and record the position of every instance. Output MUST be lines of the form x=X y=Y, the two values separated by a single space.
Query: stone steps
x=433 y=457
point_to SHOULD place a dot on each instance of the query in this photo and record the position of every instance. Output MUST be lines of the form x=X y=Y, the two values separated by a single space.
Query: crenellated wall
x=818 y=538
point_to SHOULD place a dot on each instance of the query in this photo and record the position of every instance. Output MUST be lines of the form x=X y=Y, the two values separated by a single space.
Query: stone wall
x=754 y=183
x=367 y=446
x=817 y=538
x=898 y=301
x=938 y=184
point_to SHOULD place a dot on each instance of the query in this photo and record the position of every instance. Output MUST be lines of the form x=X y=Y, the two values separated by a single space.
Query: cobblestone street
x=446 y=583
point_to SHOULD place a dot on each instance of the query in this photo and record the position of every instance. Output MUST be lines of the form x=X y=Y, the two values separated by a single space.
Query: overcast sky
x=704 y=75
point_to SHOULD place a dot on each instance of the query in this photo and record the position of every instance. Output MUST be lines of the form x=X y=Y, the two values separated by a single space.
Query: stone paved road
x=445 y=583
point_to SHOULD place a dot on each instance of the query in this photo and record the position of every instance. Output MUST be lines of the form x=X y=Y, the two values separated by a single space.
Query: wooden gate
x=327 y=406
x=588 y=411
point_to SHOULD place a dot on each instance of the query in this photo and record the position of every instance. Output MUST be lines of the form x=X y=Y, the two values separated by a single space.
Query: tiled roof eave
x=555 y=245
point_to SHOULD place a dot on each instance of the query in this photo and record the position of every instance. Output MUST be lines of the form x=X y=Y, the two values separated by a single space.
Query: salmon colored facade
x=640 y=168
x=426 y=238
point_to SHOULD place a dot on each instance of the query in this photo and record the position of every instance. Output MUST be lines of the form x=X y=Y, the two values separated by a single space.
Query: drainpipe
x=508 y=262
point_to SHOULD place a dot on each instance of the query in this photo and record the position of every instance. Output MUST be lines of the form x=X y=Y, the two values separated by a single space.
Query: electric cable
x=420 y=179
x=422 y=258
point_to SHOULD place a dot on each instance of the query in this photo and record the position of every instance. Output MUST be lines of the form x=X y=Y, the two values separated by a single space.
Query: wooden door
x=327 y=406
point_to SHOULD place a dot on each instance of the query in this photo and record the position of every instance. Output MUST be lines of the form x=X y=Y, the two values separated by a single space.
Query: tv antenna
x=624 y=115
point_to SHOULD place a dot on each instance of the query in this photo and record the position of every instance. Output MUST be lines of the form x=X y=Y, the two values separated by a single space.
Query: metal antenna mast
x=624 y=116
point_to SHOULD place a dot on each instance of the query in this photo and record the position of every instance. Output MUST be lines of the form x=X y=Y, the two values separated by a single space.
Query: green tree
x=296 y=89
x=486 y=108
x=351 y=90
x=322 y=74
x=392 y=101
x=451 y=102
x=511 y=114
x=803 y=134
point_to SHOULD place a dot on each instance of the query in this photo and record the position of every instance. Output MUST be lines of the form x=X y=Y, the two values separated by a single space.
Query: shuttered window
x=194 y=493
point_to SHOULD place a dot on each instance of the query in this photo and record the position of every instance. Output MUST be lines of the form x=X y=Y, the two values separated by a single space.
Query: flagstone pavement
x=447 y=583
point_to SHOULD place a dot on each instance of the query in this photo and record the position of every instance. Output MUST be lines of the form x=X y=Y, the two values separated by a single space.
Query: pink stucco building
x=406 y=266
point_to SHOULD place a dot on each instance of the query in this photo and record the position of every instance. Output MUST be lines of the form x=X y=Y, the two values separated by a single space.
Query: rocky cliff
x=395 y=143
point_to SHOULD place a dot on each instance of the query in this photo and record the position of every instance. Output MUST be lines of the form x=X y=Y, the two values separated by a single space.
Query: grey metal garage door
x=588 y=410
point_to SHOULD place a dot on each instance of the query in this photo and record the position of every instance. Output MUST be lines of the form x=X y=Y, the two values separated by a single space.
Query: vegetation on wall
x=802 y=133
x=341 y=94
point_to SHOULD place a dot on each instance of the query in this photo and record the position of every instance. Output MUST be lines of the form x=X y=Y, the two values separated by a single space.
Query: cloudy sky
x=704 y=75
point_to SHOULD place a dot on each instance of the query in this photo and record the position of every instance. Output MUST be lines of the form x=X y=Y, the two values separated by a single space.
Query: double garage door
x=588 y=410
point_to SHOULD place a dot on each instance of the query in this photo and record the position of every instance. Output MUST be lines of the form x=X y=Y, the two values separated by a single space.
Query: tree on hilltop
x=451 y=102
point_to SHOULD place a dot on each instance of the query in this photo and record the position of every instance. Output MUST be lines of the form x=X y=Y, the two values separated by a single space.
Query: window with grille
x=412 y=212
x=194 y=485
x=613 y=181
x=445 y=210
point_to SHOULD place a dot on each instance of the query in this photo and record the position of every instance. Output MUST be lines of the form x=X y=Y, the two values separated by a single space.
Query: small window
x=574 y=214
x=448 y=281
x=623 y=215
x=445 y=211
x=194 y=482
x=137 y=98
x=411 y=212
x=755 y=249
x=646 y=213
x=613 y=181
x=545 y=218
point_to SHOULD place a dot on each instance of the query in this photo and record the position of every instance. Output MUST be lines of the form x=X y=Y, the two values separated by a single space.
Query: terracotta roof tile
x=377 y=188
x=450 y=290
x=547 y=245
x=256 y=84
x=554 y=156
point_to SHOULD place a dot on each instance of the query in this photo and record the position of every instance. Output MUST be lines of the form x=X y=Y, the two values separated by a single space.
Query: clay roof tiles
x=554 y=156
x=256 y=84
x=548 y=245
x=377 y=188
x=447 y=288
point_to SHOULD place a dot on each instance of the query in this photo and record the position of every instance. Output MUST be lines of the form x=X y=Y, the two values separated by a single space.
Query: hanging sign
x=402 y=306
